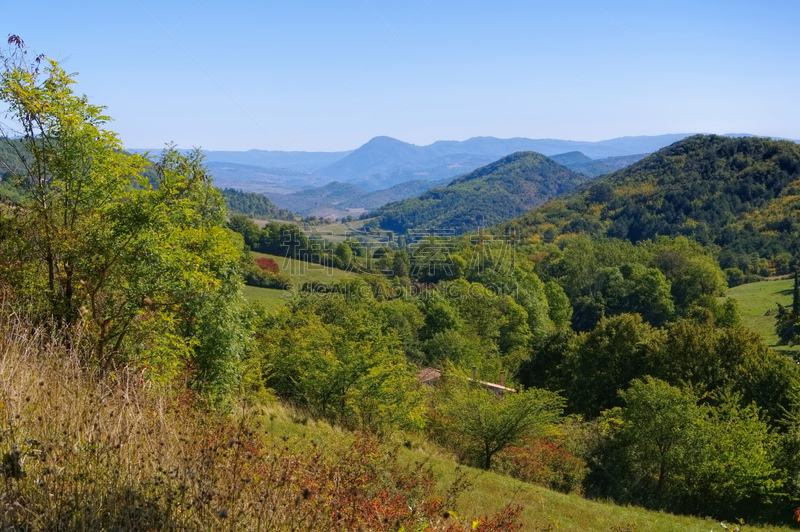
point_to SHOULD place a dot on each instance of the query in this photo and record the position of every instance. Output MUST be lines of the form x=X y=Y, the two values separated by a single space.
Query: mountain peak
x=384 y=141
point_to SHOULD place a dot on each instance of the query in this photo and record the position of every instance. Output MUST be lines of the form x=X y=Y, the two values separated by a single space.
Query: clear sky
x=329 y=75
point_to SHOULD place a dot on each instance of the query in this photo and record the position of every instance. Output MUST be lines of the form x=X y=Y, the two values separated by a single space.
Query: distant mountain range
x=337 y=200
x=384 y=163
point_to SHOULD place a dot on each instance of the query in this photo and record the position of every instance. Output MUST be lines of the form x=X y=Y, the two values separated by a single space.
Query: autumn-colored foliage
x=545 y=463
x=266 y=263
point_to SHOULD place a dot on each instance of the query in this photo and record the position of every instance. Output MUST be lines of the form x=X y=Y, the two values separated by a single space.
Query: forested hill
x=489 y=195
x=739 y=195
x=254 y=205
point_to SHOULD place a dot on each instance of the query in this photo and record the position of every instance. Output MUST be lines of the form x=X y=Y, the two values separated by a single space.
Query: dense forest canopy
x=254 y=205
x=738 y=196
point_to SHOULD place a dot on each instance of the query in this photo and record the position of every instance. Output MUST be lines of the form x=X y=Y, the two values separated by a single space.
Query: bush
x=268 y=264
x=735 y=277
x=544 y=463
x=267 y=279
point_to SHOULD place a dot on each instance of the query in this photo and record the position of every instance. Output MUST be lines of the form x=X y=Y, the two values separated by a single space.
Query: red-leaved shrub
x=545 y=463
x=265 y=263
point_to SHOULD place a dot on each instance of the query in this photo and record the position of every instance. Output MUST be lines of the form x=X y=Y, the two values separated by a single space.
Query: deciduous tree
x=483 y=423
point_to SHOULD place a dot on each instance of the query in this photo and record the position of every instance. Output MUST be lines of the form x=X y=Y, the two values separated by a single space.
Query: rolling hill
x=578 y=162
x=254 y=205
x=741 y=196
x=401 y=191
x=489 y=195
x=329 y=196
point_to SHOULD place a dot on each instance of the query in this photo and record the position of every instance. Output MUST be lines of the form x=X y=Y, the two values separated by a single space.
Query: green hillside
x=738 y=195
x=487 y=196
x=254 y=205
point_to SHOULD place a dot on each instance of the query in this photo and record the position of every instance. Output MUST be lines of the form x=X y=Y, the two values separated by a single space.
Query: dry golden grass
x=88 y=451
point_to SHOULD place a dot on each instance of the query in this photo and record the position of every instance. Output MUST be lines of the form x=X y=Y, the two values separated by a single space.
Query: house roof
x=429 y=375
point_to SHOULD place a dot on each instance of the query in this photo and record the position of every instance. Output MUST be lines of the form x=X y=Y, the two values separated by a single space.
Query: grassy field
x=300 y=272
x=757 y=303
x=270 y=298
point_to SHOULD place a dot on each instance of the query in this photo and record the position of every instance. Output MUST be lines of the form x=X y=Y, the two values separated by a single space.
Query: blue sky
x=324 y=76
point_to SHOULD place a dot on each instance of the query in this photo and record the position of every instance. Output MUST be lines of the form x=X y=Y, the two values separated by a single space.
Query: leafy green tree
x=140 y=260
x=450 y=346
x=343 y=256
x=401 y=264
x=734 y=276
x=406 y=319
x=688 y=356
x=674 y=454
x=245 y=227
x=650 y=294
x=710 y=359
x=692 y=271
x=340 y=360
x=559 y=308
x=481 y=423
x=659 y=440
x=738 y=471
x=606 y=360
x=708 y=309
x=546 y=367
x=439 y=314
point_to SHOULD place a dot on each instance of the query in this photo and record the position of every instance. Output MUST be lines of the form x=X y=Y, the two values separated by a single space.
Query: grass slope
x=543 y=509
x=757 y=304
x=270 y=298
x=300 y=272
